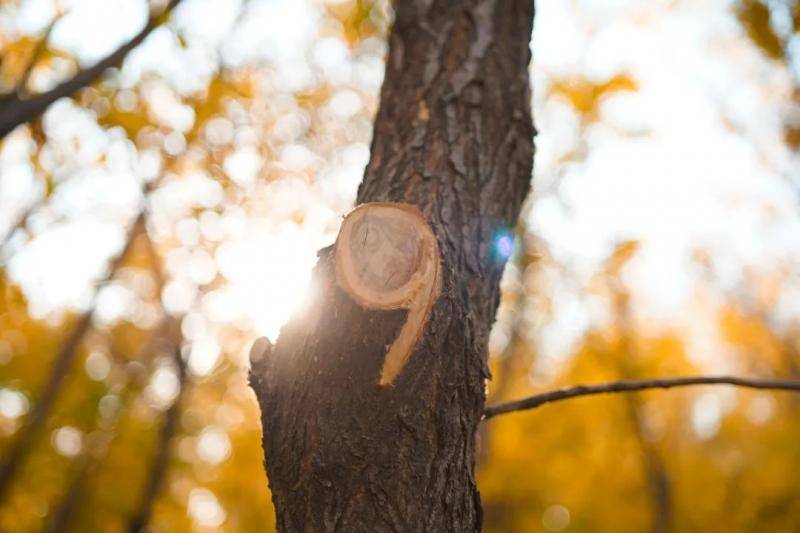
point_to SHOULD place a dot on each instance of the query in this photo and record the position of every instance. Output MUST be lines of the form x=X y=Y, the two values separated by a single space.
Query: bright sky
x=692 y=160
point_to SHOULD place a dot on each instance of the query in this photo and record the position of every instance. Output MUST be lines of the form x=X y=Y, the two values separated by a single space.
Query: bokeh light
x=662 y=237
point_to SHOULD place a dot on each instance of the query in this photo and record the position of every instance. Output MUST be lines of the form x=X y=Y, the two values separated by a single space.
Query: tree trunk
x=346 y=447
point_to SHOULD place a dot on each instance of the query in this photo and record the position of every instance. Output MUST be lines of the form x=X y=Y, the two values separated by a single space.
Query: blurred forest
x=164 y=216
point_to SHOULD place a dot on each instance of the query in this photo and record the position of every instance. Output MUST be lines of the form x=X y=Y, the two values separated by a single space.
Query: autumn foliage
x=239 y=153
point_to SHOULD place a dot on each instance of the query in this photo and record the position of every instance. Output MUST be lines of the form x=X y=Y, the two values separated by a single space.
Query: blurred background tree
x=167 y=211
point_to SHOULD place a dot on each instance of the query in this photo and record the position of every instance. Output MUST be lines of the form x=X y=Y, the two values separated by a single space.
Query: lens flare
x=502 y=245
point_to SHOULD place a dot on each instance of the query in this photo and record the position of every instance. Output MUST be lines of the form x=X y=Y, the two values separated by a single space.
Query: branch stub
x=387 y=257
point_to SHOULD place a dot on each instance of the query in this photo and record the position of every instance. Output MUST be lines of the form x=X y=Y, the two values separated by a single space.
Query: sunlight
x=268 y=276
x=660 y=238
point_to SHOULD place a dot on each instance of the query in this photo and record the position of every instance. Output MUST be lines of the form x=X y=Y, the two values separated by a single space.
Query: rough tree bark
x=454 y=138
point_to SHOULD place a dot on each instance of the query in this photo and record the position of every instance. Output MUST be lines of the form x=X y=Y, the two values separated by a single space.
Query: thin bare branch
x=16 y=111
x=532 y=402
x=20 y=223
x=41 y=46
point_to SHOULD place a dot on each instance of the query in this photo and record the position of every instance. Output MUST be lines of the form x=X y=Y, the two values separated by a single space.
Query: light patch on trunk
x=387 y=258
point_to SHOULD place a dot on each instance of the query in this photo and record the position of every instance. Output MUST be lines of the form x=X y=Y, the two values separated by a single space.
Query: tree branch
x=88 y=464
x=41 y=46
x=16 y=111
x=532 y=402
x=131 y=385
x=21 y=222
x=158 y=468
